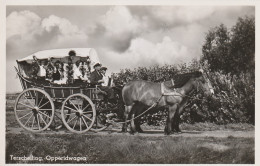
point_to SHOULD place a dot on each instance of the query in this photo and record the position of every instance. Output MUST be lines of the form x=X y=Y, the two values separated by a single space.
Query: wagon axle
x=79 y=113
x=36 y=110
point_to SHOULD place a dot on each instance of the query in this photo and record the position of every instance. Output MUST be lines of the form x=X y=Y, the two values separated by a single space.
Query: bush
x=233 y=102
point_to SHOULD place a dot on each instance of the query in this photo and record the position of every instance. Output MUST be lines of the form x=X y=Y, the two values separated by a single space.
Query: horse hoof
x=122 y=131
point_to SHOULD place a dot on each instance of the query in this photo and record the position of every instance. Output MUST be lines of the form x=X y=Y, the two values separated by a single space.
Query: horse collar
x=167 y=93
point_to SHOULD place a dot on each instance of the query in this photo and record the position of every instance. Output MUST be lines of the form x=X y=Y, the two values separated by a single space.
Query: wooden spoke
x=40 y=102
x=80 y=124
x=28 y=120
x=70 y=108
x=70 y=113
x=36 y=97
x=38 y=120
x=85 y=122
x=75 y=124
x=26 y=105
x=28 y=101
x=45 y=109
x=71 y=119
x=30 y=94
x=25 y=115
x=44 y=104
x=86 y=107
x=43 y=119
x=73 y=105
x=88 y=112
x=44 y=114
x=87 y=118
x=33 y=122
x=22 y=110
x=96 y=122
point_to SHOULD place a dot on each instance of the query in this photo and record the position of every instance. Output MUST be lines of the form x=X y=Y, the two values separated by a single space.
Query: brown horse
x=145 y=94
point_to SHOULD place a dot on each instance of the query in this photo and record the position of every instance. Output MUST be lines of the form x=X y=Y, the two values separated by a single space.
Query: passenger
x=105 y=77
x=42 y=71
x=49 y=74
x=58 y=71
x=87 y=64
x=35 y=68
x=77 y=73
x=49 y=70
x=86 y=74
x=96 y=78
x=70 y=71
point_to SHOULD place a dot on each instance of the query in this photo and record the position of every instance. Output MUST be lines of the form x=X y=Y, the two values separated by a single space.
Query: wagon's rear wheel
x=78 y=113
x=34 y=110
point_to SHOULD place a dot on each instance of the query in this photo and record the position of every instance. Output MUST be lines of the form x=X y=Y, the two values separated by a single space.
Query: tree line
x=228 y=55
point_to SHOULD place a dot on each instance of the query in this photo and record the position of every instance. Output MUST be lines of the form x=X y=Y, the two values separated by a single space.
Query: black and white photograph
x=130 y=84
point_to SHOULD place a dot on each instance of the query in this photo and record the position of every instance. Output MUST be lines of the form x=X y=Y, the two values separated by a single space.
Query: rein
x=152 y=106
x=174 y=93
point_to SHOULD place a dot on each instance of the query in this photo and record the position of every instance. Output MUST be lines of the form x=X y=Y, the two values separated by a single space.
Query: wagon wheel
x=78 y=113
x=100 y=121
x=34 y=110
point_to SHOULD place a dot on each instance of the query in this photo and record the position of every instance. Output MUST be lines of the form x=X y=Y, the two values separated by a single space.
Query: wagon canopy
x=63 y=54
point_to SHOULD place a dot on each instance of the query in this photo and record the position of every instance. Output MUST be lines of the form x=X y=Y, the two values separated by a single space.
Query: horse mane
x=181 y=79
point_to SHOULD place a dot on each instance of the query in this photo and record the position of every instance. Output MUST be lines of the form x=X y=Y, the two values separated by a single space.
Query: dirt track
x=152 y=133
x=12 y=127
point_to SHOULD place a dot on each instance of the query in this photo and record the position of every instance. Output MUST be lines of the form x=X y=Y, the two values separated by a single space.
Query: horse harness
x=163 y=93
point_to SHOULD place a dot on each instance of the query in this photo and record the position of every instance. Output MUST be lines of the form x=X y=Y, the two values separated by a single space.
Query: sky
x=123 y=36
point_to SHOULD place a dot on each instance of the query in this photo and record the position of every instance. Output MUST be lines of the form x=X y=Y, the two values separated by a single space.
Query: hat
x=103 y=68
x=97 y=64
x=72 y=53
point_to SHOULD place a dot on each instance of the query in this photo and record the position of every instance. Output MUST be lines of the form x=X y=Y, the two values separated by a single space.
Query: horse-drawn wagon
x=78 y=106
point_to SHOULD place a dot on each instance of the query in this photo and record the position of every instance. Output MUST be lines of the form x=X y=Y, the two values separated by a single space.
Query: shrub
x=233 y=102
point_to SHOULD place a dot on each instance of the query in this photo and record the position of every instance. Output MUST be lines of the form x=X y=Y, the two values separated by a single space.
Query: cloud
x=24 y=24
x=180 y=15
x=118 y=21
x=26 y=29
x=67 y=31
x=146 y=53
x=119 y=27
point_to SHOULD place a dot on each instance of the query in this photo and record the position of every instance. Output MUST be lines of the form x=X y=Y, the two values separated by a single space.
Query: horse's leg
x=126 y=114
x=176 y=119
x=170 y=119
x=176 y=124
x=137 y=110
x=138 y=126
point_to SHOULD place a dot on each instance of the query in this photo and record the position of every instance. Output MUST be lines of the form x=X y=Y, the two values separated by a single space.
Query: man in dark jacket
x=96 y=78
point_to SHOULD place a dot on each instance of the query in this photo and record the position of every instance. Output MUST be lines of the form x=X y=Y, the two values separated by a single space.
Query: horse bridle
x=206 y=79
x=172 y=81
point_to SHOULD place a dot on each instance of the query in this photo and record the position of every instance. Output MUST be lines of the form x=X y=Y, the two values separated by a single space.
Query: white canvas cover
x=63 y=54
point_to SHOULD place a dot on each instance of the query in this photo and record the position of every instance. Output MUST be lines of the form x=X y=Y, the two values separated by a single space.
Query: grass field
x=131 y=149
x=125 y=148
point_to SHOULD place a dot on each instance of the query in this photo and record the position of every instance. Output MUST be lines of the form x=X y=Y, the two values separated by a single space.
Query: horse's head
x=204 y=83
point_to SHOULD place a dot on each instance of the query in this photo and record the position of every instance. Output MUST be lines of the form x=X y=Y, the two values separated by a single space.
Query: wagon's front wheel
x=34 y=109
x=78 y=113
